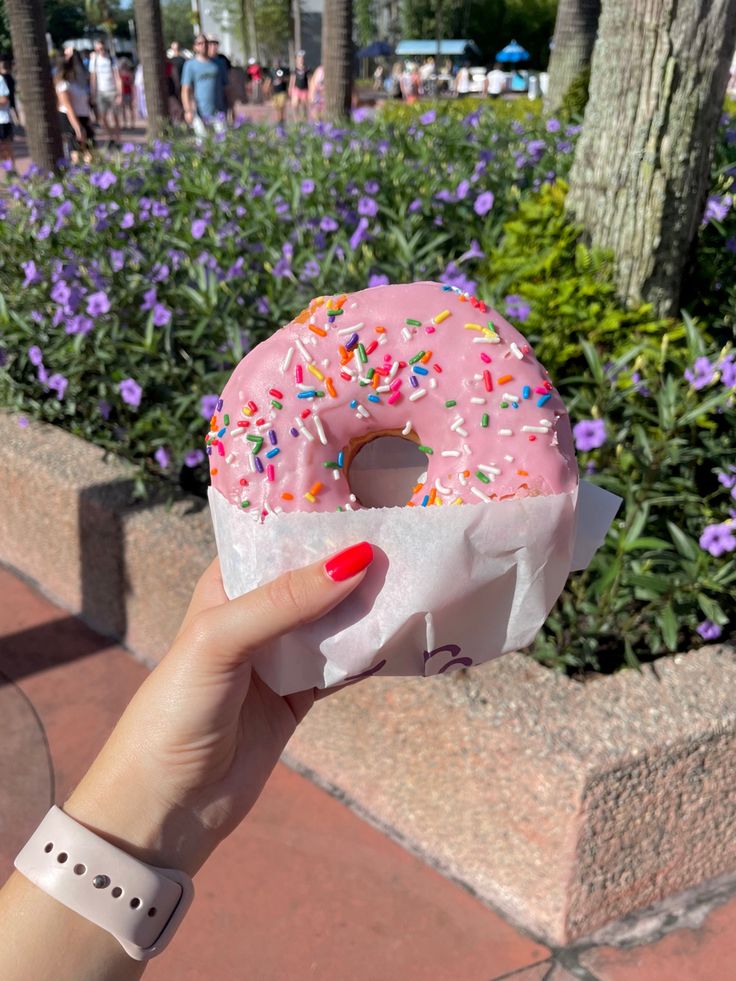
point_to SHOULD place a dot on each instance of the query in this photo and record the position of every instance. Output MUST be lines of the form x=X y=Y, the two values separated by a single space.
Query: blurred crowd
x=410 y=81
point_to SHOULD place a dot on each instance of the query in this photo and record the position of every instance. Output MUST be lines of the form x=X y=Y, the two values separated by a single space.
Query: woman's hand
x=196 y=744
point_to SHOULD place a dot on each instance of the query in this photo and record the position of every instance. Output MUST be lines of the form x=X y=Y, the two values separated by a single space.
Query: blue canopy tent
x=513 y=52
x=450 y=49
x=378 y=49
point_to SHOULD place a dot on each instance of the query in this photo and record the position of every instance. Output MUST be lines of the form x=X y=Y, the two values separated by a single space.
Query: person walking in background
x=74 y=112
x=395 y=90
x=462 y=81
x=280 y=88
x=105 y=90
x=140 y=91
x=299 y=88
x=495 y=82
x=222 y=63
x=255 y=81
x=317 y=92
x=178 y=61
x=6 y=128
x=7 y=76
x=200 y=82
x=127 y=109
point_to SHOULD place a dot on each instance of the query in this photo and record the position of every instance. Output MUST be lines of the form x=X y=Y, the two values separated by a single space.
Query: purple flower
x=162 y=458
x=310 y=270
x=97 y=304
x=517 y=307
x=60 y=292
x=589 y=434
x=553 y=125
x=728 y=480
x=117 y=259
x=130 y=392
x=58 y=383
x=474 y=252
x=428 y=117
x=208 y=406
x=128 y=220
x=727 y=367
x=149 y=299
x=367 y=206
x=731 y=244
x=483 y=203
x=718 y=539
x=104 y=180
x=193 y=458
x=199 y=227
x=31 y=272
x=282 y=268
x=415 y=205
x=103 y=407
x=462 y=190
x=702 y=373
x=328 y=224
x=638 y=385
x=22 y=422
x=372 y=187
x=709 y=630
x=161 y=315
x=78 y=324
x=359 y=235
x=307 y=186
x=452 y=276
x=56 y=191
x=377 y=279
x=35 y=355
x=716 y=208
x=159 y=210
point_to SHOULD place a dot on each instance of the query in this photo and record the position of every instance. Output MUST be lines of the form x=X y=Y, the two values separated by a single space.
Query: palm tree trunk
x=337 y=57
x=575 y=30
x=151 y=53
x=250 y=19
x=642 y=164
x=28 y=34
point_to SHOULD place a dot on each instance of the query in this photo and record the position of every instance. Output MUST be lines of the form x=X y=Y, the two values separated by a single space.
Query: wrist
x=115 y=808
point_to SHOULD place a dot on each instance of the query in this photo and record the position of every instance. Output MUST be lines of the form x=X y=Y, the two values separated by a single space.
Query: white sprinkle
x=458 y=422
x=303 y=351
x=353 y=306
x=450 y=453
x=419 y=394
x=486 y=340
x=433 y=383
x=422 y=478
x=353 y=498
x=466 y=449
x=476 y=401
x=406 y=333
x=463 y=479
x=382 y=340
x=510 y=396
x=480 y=494
x=534 y=429
x=284 y=364
x=320 y=430
x=505 y=432
x=252 y=462
x=440 y=488
x=325 y=363
x=431 y=641
x=478 y=378
x=336 y=474
x=394 y=369
x=229 y=458
x=407 y=428
x=383 y=388
x=348 y=371
x=515 y=350
x=461 y=432
x=488 y=469
x=350 y=330
x=303 y=429
x=545 y=422
x=305 y=387
x=240 y=431
x=348 y=506
x=362 y=378
x=509 y=459
x=363 y=412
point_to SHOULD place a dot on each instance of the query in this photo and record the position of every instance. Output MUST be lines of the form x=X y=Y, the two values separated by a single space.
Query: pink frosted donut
x=425 y=361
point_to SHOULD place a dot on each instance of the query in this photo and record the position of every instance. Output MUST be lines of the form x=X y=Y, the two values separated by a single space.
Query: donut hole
x=383 y=468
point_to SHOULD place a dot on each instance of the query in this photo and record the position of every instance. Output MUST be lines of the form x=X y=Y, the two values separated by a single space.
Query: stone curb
x=565 y=805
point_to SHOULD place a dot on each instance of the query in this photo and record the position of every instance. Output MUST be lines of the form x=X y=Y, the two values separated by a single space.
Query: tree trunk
x=642 y=165
x=575 y=30
x=151 y=53
x=28 y=34
x=250 y=19
x=337 y=57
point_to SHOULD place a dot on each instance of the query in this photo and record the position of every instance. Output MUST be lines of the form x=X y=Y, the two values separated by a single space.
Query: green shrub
x=576 y=98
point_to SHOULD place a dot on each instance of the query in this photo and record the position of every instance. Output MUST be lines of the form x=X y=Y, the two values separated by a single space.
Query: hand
x=188 y=116
x=197 y=742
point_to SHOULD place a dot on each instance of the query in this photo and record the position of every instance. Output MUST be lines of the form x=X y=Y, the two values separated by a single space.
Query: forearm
x=44 y=940
x=187 y=98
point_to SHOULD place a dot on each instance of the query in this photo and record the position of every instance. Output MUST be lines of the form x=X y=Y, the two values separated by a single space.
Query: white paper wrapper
x=449 y=586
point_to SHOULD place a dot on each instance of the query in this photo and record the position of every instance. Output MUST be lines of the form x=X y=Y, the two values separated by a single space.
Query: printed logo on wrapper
x=487 y=575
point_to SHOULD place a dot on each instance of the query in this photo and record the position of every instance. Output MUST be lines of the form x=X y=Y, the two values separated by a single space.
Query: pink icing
x=523 y=450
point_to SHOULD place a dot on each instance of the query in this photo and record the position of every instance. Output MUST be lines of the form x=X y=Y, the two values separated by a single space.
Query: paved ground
x=303 y=888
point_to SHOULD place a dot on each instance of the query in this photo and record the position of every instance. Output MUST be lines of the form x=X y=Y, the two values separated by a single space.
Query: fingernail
x=349 y=562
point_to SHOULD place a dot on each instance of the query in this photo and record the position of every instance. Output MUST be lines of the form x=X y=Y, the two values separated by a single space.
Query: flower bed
x=136 y=286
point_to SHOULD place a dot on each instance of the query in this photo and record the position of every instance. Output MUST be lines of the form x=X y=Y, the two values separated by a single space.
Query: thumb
x=232 y=631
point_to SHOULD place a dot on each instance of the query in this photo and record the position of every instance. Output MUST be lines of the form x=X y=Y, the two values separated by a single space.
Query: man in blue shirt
x=199 y=85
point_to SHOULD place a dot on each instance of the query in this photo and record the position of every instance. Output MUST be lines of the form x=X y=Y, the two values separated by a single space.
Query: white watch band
x=139 y=904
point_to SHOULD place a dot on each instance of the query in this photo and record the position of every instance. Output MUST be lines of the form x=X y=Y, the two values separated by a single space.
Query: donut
x=425 y=362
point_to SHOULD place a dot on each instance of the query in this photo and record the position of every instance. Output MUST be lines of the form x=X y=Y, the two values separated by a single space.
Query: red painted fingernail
x=349 y=562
